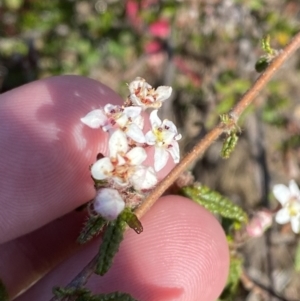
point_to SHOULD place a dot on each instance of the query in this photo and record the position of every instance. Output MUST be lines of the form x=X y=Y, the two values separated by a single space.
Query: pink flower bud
x=108 y=203
x=260 y=222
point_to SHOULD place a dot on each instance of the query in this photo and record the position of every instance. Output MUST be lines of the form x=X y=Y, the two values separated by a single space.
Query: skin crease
x=44 y=157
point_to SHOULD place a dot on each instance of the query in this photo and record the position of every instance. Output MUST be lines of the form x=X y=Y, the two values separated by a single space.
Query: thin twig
x=201 y=147
x=215 y=133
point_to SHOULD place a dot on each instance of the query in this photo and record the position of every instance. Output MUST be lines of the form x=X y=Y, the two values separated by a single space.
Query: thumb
x=46 y=150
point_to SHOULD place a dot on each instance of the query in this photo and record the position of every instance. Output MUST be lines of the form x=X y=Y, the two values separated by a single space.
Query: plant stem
x=201 y=147
x=216 y=132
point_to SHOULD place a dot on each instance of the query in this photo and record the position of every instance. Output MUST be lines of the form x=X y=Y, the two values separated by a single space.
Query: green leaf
x=91 y=228
x=215 y=202
x=132 y=221
x=112 y=238
x=262 y=64
x=82 y=294
x=229 y=145
x=3 y=292
x=64 y=292
x=116 y=296
x=235 y=271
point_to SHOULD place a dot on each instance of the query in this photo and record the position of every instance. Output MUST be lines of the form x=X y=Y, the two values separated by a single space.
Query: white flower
x=108 y=203
x=164 y=136
x=143 y=95
x=128 y=119
x=124 y=165
x=289 y=198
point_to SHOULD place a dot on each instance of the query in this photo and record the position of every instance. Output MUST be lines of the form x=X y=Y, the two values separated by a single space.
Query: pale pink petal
x=135 y=133
x=102 y=169
x=282 y=216
x=294 y=189
x=281 y=193
x=295 y=223
x=154 y=119
x=121 y=160
x=137 y=155
x=117 y=143
x=143 y=178
x=174 y=151
x=160 y=158
x=163 y=93
x=108 y=203
x=94 y=119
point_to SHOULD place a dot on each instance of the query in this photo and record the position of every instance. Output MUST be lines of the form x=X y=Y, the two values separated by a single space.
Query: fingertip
x=181 y=255
x=46 y=151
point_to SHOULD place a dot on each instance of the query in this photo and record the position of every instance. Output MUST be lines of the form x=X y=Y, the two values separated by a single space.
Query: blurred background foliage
x=206 y=50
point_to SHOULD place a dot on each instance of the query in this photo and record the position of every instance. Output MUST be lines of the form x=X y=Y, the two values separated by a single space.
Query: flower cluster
x=122 y=171
x=289 y=198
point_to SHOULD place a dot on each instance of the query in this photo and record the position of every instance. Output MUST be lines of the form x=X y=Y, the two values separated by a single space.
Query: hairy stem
x=202 y=146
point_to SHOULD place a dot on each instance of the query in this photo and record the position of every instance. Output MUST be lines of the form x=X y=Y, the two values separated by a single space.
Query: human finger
x=182 y=255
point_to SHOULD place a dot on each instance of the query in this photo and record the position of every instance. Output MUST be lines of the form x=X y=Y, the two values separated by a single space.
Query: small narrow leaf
x=91 y=228
x=3 y=292
x=64 y=292
x=112 y=238
x=266 y=45
x=215 y=202
x=82 y=294
x=235 y=271
x=229 y=145
x=132 y=221
x=116 y=296
x=262 y=64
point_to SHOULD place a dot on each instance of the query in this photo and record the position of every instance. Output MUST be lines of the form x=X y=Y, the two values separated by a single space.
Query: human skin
x=45 y=153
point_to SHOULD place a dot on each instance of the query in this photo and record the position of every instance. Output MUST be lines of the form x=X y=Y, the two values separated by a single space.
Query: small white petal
x=108 y=203
x=139 y=121
x=167 y=137
x=109 y=108
x=295 y=223
x=137 y=155
x=170 y=125
x=117 y=143
x=150 y=138
x=135 y=133
x=282 y=216
x=154 y=119
x=294 y=189
x=174 y=151
x=101 y=169
x=94 y=119
x=163 y=93
x=132 y=112
x=160 y=158
x=136 y=100
x=121 y=120
x=143 y=178
x=281 y=193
